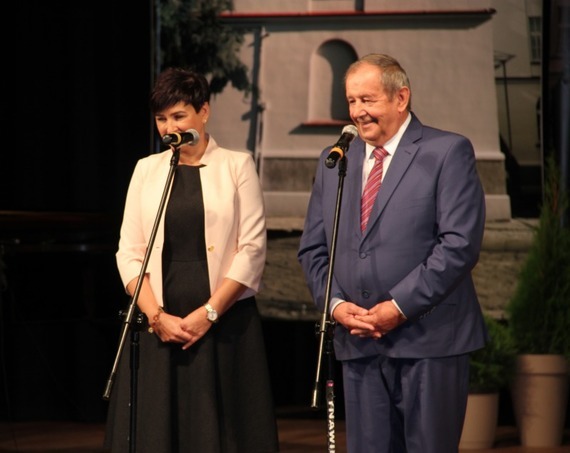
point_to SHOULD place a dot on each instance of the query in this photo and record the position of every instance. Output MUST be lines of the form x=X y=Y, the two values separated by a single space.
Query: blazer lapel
x=402 y=159
x=353 y=187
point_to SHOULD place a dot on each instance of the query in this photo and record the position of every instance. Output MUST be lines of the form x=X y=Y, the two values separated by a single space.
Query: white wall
x=449 y=60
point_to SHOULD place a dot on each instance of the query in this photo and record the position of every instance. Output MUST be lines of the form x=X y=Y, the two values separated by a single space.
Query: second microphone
x=190 y=137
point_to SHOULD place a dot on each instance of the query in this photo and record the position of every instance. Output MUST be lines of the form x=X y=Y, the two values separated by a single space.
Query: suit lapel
x=401 y=160
x=353 y=187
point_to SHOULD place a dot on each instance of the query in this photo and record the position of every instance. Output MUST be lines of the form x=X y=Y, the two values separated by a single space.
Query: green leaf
x=193 y=36
x=539 y=311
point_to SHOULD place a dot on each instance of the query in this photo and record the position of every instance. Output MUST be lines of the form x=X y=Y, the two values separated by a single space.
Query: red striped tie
x=372 y=186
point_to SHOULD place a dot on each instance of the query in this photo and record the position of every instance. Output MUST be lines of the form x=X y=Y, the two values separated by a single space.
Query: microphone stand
x=325 y=328
x=128 y=317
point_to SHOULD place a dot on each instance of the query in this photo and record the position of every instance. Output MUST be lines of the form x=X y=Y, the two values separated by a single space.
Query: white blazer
x=236 y=240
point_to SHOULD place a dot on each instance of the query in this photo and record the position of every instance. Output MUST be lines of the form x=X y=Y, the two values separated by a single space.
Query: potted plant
x=491 y=369
x=539 y=320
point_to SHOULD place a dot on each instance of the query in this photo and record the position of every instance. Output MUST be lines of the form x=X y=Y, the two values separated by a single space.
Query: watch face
x=212 y=316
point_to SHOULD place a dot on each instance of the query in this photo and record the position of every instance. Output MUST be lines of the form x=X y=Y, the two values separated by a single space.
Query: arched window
x=327 y=99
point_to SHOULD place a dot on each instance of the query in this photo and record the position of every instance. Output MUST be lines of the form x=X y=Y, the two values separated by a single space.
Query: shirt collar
x=391 y=145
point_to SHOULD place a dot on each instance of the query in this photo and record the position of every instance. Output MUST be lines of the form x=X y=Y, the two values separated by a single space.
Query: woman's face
x=182 y=117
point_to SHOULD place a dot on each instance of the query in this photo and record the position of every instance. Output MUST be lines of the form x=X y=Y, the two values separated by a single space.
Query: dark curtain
x=76 y=82
x=556 y=88
x=78 y=77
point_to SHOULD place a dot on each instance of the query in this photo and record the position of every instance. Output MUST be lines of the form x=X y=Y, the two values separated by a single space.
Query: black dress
x=214 y=397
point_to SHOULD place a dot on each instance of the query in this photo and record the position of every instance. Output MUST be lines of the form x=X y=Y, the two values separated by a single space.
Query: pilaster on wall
x=491 y=168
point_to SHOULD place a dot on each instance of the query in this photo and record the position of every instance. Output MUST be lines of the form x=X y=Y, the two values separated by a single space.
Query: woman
x=203 y=382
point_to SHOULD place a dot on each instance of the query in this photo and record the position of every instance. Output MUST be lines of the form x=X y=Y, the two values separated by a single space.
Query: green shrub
x=539 y=311
x=491 y=367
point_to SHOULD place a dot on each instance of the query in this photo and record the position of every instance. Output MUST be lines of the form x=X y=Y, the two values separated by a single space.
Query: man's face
x=377 y=117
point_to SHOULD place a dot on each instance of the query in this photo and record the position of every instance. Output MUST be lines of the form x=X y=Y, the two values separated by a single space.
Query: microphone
x=341 y=146
x=190 y=137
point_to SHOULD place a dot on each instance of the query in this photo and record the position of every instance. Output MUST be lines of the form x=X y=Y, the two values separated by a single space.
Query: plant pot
x=540 y=398
x=481 y=419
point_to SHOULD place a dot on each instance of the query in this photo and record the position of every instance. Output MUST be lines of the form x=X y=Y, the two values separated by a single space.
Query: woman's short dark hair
x=175 y=85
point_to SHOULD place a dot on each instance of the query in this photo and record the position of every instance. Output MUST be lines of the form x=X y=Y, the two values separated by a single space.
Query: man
x=402 y=297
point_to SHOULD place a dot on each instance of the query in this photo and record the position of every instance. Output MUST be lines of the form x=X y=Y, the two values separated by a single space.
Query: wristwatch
x=212 y=314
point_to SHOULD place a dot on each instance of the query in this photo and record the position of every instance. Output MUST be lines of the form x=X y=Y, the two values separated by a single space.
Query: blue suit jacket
x=422 y=242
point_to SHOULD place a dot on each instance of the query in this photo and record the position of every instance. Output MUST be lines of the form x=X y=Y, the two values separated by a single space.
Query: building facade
x=298 y=51
x=517 y=40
